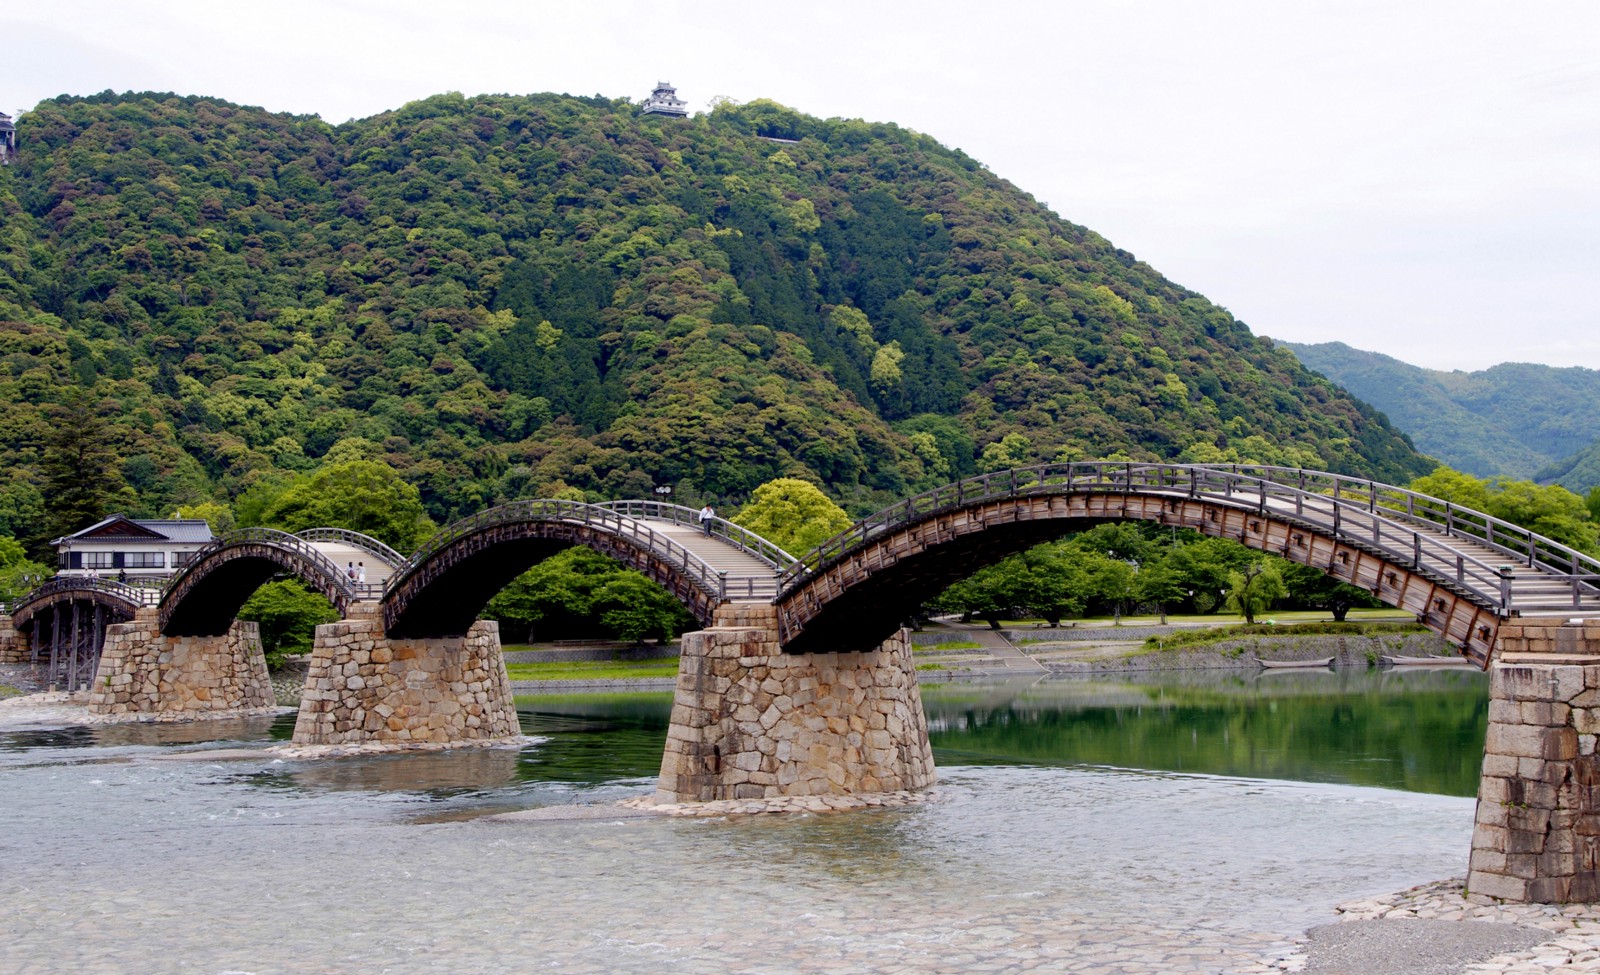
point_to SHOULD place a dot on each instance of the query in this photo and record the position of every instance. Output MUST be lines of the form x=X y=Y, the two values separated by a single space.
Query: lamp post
x=664 y=490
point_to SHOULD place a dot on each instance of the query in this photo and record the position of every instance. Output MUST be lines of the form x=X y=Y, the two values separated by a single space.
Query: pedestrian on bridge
x=706 y=514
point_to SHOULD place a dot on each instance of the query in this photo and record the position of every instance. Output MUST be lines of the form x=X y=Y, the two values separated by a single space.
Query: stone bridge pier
x=1537 y=835
x=750 y=721
x=13 y=649
x=365 y=687
x=175 y=678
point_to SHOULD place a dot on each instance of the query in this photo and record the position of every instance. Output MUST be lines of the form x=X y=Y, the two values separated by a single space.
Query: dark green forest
x=507 y=296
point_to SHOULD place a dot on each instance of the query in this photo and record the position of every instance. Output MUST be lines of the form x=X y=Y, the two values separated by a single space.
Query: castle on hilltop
x=665 y=101
x=8 y=139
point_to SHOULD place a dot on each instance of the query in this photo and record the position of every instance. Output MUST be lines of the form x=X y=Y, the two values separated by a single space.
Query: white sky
x=1415 y=177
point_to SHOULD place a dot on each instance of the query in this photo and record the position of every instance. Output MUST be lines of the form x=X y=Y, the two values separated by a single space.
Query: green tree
x=792 y=514
x=362 y=495
x=81 y=470
x=288 y=615
x=18 y=573
x=1253 y=589
x=634 y=608
x=1455 y=487
x=1549 y=510
x=1312 y=588
x=218 y=516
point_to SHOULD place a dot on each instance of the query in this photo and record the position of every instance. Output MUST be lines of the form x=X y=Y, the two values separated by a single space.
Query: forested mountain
x=1515 y=419
x=508 y=297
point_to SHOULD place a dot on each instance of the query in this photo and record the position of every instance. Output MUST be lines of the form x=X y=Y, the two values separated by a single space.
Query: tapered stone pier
x=750 y=721
x=1537 y=836
x=13 y=649
x=364 y=687
x=176 y=678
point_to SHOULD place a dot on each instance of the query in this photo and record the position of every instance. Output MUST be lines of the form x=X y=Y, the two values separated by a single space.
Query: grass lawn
x=595 y=669
x=952 y=644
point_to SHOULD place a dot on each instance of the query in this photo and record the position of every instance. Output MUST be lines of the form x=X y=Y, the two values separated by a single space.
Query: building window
x=144 y=560
x=97 y=560
x=181 y=559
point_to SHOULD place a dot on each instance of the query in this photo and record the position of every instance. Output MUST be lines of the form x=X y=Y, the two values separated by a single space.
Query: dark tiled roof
x=118 y=528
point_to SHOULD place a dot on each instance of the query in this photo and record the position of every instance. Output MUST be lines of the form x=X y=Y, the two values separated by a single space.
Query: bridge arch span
x=1455 y=573
x=119 y=600
x=443 y=587
x=204 y=598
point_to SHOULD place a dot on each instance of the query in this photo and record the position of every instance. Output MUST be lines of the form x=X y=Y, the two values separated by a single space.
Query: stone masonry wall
x=749 y=721
x=13 y=649
x=177 y=678
x=363 y=687
x=1537 y=837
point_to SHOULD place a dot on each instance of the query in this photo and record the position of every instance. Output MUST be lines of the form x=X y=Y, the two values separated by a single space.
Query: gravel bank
x=1436 y=929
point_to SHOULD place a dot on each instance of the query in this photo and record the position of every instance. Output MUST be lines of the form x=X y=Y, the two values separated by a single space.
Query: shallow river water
x=117 y=855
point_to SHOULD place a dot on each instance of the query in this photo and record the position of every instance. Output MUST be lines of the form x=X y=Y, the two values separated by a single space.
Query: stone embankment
x=1347 y=651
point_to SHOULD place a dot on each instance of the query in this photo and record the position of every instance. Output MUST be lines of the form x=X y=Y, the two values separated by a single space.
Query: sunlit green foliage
x=580 y=593
x=1547 y=509
x=508 y=296
x=792 y=514
x=18 y=573
x=288 y=615
x=362 y=495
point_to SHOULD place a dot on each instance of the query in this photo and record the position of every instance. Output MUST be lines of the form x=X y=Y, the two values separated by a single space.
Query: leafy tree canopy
x=362 y=495
x=792 y=514
x=514 y=296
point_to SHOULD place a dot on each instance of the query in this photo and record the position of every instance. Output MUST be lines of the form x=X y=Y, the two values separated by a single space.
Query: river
x=1186 y=825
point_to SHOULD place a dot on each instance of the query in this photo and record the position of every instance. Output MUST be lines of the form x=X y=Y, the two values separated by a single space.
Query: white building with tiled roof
x=665 y=101
x=120 y=547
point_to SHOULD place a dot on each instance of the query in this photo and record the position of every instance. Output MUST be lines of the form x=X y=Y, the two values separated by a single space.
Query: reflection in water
x=1421 y=731
x=434 y=773
x=151 y=733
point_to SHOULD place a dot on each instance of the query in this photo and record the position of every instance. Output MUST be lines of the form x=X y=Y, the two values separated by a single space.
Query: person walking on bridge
x=706 y=514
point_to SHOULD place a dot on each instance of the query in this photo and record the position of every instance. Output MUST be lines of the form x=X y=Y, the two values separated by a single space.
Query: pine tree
x=80 y=468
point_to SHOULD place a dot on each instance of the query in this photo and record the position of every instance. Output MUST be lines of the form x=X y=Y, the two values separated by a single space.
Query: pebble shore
x=1571 y=948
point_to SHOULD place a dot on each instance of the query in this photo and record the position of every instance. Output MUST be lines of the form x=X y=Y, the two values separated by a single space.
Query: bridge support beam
x=750 y=721
x=1537 y=836
x=176 y=678
x=364 y=688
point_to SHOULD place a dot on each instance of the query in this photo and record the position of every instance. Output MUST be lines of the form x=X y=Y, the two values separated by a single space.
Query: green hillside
x=1515 y=419
x=508 y=296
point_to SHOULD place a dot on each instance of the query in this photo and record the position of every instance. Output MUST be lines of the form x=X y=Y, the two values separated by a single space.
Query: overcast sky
x=1416 y=178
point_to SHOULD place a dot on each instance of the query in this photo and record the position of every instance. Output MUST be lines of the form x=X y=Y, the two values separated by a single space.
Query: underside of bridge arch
x=207 y=599
x=443 y=595
x=858 y=600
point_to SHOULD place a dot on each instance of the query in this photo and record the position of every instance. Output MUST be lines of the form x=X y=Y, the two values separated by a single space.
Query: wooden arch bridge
x=801 y=682
x=1460 y=572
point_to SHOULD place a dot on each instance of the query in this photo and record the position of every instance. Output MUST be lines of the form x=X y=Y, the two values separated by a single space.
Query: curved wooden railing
x=736 y=535
x=702 y=575
x=1400 y=525
x=135 y=595
x=354 y=539
x=300 y=547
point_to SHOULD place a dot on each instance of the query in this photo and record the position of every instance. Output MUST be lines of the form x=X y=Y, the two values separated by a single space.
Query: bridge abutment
x=364 y=687
x=1537 y=832
x=750 y=721
x=176 y=678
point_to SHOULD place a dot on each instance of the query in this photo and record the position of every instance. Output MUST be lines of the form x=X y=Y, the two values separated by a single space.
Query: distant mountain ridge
x=1515 y=419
